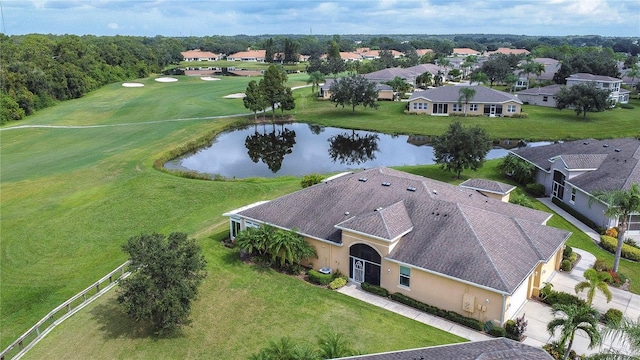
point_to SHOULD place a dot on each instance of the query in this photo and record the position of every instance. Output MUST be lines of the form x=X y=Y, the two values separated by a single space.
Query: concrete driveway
x=539 y=314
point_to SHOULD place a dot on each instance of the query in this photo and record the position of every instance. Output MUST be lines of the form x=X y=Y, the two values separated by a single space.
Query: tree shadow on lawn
x=114 y=323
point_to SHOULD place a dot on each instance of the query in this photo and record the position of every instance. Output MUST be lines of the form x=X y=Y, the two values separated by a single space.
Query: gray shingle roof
x=616 y=161
x=494 y=349
x=451 y=94
x=591 y=77
x=550 y=90
x=456 y=231
x=488 y=185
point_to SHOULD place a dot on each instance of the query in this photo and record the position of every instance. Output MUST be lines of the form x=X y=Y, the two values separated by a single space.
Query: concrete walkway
x=536 y=313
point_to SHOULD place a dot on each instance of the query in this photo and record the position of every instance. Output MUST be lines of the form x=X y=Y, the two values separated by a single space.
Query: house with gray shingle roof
x=385 y=92
x=446 y=100
x=494 y=349
x=613 y=85
x=571 y=171
x=448 y=246
x=541 y=96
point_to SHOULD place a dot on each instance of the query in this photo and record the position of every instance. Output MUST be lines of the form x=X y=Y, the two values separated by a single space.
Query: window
x=235 y=228
x=511 y=108
x=440 y=108
x=473 y=107
x=248 y=224
x=573 y=195
x=415 y=106
x=405 y=276
x=419 y=106
x=545 y=98
x=457 y=107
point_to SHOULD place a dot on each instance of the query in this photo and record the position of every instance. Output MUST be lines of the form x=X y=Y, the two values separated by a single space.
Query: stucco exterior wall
x=479 y=111
x=538 y=100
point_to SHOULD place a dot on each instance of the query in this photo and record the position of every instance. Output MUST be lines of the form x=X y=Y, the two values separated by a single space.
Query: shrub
x=374 y=289
x=613 y=232
x=557 y=353
x=631 y=242
x=565 y=265
x=628 y=252
x=520 y=199
x=311 y=179
x=449 y=315
x=498 y=331
x=319 y=278
x=550 y=296
x=515 y=328
x=626 y=106
x=337 y=283
x=612 y=317
x=535 y=189
x=600 y=265
x=566 y=253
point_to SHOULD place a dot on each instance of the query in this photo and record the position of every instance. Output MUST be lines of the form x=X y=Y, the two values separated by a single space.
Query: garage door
x=518 y=299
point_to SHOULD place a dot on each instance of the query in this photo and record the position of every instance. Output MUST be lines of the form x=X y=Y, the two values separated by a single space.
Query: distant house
x=249 y=56
x=493 y=349
x=613 y=85
x=375 y=54
x=385 y=92
x=407 y=74
x=198 y=55
x=571 y=171
x=448 y=246
x=423 y=52
x=551 y=66
x=508 y=51
x=541 y=96
x=465 y=52
x=445 y=100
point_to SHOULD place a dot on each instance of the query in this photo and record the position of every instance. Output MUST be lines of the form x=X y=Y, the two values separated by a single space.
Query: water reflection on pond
x=298 y=149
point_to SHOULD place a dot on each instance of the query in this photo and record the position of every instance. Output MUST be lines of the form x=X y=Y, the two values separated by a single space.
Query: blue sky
x=232 y=17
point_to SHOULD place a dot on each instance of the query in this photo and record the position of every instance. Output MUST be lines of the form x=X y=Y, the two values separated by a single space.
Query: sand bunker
x=166 y=79
x=235 y=96
x=208 y=78
x=132 y=84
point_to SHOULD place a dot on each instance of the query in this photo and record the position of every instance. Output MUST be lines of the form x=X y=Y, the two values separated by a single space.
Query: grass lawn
x=240 y=309
x=72 y=196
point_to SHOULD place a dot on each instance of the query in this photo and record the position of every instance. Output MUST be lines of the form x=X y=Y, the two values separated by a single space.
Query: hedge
x=374 y=289
x=319 y=278
x=628 y=252
x=535 y=189
x=449 y=315
x=498 y=331
x=612 y=317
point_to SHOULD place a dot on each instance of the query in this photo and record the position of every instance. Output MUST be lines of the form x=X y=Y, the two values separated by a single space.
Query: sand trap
x=208 y=78
x=132 y=84
x=166 y=79
x=235 y=96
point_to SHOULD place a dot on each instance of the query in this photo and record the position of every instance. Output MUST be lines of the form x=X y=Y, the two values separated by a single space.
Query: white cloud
x=112 y=26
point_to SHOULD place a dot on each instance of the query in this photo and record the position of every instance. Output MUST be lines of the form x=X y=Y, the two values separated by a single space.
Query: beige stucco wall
x=385 y=95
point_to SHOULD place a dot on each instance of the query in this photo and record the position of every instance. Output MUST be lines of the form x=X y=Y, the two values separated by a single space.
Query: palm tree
x=283 y=349
x=628 y=332
x=334 y=345
x=532 y=67
x=424 y=79
x=594 y=281
x=467 y=94
x=315 y=78
x=575 y=318
x=620 y=204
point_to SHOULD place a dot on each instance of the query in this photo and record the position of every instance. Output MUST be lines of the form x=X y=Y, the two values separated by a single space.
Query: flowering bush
x=613 y=232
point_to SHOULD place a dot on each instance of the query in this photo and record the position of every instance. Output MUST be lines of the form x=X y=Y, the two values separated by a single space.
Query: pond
x=297 y=149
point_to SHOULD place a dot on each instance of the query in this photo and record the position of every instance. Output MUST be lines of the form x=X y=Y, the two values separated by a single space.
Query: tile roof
x=198 y=54
x=509 y=51
x=452 y=94
x=465 y=51
x=259 y=54
x=494 y=349
x=456 y=231
x=488 y=185
x=616 y=161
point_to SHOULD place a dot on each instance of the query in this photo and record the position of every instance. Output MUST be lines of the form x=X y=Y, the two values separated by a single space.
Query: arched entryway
x=364 y=264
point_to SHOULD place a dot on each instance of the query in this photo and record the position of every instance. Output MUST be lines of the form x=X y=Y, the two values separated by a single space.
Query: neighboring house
x=465 y=52
x=508 y=51
x=407 y=74
x=541 y=96
x=551 y=66
x=385 y=92
x=571 y=171
x=616 y=94
x=249 y=56
x=494 y=349
x=197 y=55
x=444 y=100
x=444 y=245
x=423 y=52
x=375 y=54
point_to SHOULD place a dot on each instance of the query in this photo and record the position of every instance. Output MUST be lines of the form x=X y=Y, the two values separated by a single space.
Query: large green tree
x=461 y=148
x=272 y=86
x=166 y=274
x=315 y=78
x=620 y=205
x=570 y=319
x=254 y=100
x=519 y=169
x=583 y=98
x=354 y=91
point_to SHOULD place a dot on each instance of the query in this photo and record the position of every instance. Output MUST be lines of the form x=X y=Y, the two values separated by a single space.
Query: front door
x=358 y=270
x=492 y=110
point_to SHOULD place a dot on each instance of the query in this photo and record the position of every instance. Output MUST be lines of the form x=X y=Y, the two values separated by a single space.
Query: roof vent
x=386 y=184
x=378 y=209
x=363 y=179
x=585 y=143
x=412 y=189
x=346 y=213
x=435 y=191
x=605 y=145
x=617 y=150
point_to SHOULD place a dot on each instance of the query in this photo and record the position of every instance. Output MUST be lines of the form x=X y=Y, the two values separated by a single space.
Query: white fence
x=62 y=312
